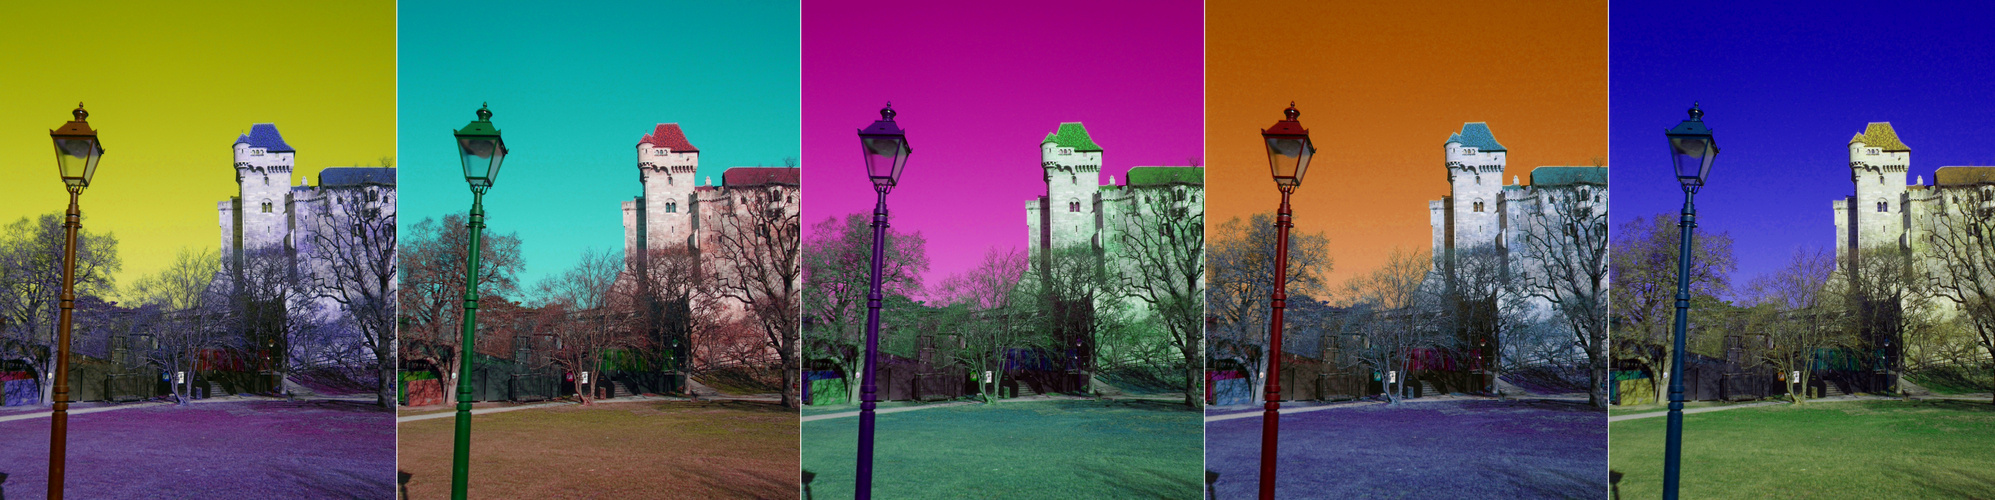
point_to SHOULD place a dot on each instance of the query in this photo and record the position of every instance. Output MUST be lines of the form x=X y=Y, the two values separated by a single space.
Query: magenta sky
x=977 y=88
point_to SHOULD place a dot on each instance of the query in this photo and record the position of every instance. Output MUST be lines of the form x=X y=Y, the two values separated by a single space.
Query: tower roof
x=356 y=176
x=1961 y=176
x=264 y=135
x=1140 y=176
x=1476 y=135
x=757 y=176
x=668 y=136
x=1880 y=135
x=1073 y=135
x=1566 y=176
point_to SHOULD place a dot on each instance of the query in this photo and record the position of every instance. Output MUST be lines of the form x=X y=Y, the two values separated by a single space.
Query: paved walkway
x=48 y=411
x=482 y=411
x=1618 y=418
x=882 y=411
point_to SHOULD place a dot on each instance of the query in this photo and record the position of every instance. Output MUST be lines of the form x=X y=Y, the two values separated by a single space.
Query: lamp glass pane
x=1285 y=154
x=75 y=156
x=480 y=156
x=1690 y=153
x=884 y=156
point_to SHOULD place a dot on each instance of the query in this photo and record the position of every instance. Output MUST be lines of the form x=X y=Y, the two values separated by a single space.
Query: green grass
x=1954 y=380
x=1844 y=449
x=1043 y=449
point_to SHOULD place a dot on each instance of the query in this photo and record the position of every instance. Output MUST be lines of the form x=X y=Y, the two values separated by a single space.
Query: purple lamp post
x=1289 y=151
x=885 y=148
x=76 y=153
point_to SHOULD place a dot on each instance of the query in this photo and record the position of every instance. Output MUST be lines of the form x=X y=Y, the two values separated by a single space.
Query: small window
x=1478 y=206
x=1468 y=151
x=255 y=152
x=671 y=208
x=266 y=207
x=1873 y=151
x=266 y=179
x=1066 y=151
x=668 y=180
x=1883 y=206
x=1073 y=206
x=660 y=151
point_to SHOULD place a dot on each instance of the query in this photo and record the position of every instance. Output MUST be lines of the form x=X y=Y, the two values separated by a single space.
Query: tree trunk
x=385 y=395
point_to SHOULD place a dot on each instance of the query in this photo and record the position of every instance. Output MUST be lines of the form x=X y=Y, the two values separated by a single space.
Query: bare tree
x=1241 y=278
x=1398 y=300
x=349 y=259
x=676 y=306
x=1807 y=316
x=1960 y=240
x=191 y=314
x=997 y=322
x=1563 y=255
x=431 y=289
x=1163 y=244
x=591 y=329
x=837 y=266
x=31 y=252
x=758 y=246
x=1642 y=273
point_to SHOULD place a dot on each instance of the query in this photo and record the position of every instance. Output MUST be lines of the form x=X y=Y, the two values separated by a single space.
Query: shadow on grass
x=1955 y=481
x=401 y=484
x=323 y=404
x=807 y=475
x=1139 y=483
x=727 y=405
x=1613 y=484
x=1148 y=405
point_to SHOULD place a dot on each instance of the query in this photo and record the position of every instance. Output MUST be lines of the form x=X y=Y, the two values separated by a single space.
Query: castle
x=675 y=211
x=270 y=218
x=1078 y=211
x=1483 y=218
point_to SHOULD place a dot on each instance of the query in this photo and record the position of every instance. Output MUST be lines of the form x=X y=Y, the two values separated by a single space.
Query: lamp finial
x=1291 y=113
x=484 y=112
x=79 y=113
x=1695 y=113
x=887 y=113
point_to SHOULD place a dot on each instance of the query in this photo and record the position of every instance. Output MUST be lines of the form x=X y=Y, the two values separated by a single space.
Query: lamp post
x=1289 y=151
x=76 y=153
x=481 y=149
x=1691 y=149
x=885 y=148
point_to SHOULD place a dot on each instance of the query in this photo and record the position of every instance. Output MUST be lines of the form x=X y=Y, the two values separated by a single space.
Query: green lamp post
x=481 y=149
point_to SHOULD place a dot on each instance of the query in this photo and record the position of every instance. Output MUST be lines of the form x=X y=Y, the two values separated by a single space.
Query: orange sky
x=1380 y=86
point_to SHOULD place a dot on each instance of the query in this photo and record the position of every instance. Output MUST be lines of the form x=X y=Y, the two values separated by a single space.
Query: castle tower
x=263 y=164
x=1876 y=214
x=1071 y=164
x=666 y=163
x=1475 y=164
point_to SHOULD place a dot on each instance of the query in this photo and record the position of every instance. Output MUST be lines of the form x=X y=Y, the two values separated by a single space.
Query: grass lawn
x=810 y=410
x=1839 y=449
x=666 y=449
x=1471 y=448
x=234 y=449
x=1038 y=449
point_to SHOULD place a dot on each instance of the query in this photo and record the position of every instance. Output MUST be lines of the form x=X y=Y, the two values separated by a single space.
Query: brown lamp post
x=1289 y=151
x=76 y=153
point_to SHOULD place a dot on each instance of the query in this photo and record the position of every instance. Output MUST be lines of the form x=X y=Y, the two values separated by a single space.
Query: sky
x=169 y=87
x=977 y=87
x=573 y=86
x=1783 y=90
x=1380 y=86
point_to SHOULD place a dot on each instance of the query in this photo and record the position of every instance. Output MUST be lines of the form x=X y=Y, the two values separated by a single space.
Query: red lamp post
x=1289 y=151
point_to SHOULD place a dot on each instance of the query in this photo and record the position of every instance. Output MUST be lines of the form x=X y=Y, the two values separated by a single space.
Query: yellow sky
x=169 y=86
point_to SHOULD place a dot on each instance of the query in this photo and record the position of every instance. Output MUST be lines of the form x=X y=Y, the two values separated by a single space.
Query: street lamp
x=1289 y=151
x=481 y=149
x=76 y=153
x=1692 y=150
x=885 y=148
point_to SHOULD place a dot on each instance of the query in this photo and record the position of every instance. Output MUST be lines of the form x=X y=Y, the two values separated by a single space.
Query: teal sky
x=573 y=86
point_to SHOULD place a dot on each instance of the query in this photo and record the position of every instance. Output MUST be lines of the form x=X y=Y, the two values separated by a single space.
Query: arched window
x=266 y=206
x=671 y=208
x=1883 y=206
x=1073 y=206
x=1478 y=206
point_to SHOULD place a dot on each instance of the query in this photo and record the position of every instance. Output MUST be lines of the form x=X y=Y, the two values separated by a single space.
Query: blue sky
x=1783 y=88
x=573 y=86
